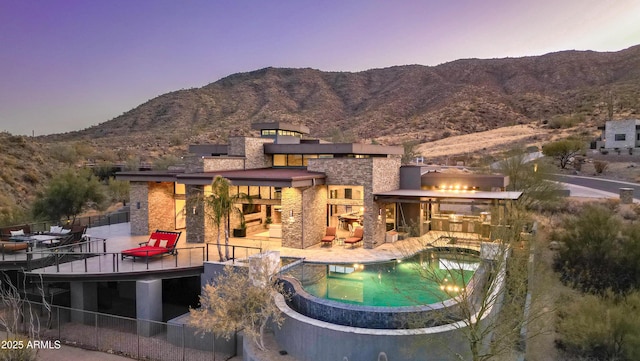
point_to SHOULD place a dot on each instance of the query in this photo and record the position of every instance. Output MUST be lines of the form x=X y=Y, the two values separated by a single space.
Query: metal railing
x=67 y=261
x=135 y=338
x=237 y=252
x=91 y=257
x=89 y=221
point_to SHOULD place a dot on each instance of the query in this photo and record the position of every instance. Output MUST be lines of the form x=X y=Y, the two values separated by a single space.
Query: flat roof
x=282 y=126
x=418 y=193
x=332 y=148
x=274 y=177
x=149 y=175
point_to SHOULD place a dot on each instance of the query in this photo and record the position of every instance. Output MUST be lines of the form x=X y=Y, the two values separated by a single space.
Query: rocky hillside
x=390 y=106
x=412 y=101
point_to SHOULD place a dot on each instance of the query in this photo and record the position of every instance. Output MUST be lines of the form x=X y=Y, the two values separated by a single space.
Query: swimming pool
x=384 y=294
x=420 y=280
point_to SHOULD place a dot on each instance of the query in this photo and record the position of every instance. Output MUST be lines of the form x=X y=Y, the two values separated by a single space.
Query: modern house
x=304 y=185
x=298 y=186
x=620 y=134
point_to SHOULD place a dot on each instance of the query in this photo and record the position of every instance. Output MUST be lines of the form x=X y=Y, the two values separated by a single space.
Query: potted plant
x=241 y=231
x=267 y=222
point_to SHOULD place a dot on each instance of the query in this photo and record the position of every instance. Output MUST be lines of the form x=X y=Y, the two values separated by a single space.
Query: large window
x=346 y=192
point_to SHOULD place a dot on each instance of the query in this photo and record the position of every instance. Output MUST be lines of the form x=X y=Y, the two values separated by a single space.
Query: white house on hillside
x=622 y=134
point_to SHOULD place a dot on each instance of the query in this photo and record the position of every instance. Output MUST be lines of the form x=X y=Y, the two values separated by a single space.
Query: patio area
x=192 y=256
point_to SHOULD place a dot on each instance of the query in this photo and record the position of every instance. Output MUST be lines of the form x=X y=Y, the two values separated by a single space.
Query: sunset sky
x=67 y=65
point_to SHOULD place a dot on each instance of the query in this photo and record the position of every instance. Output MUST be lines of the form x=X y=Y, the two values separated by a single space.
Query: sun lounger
x=160 y=243
x=356 y=238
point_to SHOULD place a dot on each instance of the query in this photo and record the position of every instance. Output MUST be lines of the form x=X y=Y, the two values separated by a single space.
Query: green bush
x=601 y=328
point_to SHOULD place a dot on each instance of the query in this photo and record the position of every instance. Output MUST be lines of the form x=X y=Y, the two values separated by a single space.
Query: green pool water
x=420 y=280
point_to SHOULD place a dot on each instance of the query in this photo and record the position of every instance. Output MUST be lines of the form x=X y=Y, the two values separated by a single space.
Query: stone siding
x=212 y=164
x=254 y=153
x=161 y=206
x=314 y=214
x=139 y=205
x=374 y=175
x=252 y=149
x=292 y=232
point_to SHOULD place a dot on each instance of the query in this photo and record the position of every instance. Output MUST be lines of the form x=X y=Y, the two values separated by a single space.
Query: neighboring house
x=621 y=134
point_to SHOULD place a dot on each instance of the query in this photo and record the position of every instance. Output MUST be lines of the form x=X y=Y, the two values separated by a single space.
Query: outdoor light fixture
x=194 y=209
x=380 y=215
x=291 y=219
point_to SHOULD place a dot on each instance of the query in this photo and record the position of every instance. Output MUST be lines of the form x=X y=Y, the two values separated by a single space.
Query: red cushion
x=145 y=251
x=328 y=238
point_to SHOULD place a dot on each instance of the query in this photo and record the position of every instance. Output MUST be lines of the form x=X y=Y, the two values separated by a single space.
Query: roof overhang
x=332 y=148
x=148 y=176
x=401 y=195
x=272 y=177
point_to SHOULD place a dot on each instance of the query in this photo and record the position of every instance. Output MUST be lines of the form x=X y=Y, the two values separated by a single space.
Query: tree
x=563 y=150
x=409 y=151
x=20 y=317
x=67 y=195
x=533 y=179
x=239 y=299
x=218 y=207
x=118 y=190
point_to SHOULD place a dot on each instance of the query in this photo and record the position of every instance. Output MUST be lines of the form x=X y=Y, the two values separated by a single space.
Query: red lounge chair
x=159 y=243
x=329 y=236
x=357 y=237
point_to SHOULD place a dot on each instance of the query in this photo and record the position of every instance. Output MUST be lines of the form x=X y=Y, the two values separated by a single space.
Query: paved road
x=605 y=185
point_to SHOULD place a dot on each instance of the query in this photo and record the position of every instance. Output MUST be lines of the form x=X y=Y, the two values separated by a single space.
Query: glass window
x=294 y=160
x=621 y=137
x=279 y=160
x=348 y=193
x=306 y=157
x=179 y=189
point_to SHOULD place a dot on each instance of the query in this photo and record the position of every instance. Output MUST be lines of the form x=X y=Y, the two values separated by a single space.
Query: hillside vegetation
x=572 y=89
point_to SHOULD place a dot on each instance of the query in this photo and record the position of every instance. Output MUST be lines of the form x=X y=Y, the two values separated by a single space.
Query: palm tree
x=218 y=207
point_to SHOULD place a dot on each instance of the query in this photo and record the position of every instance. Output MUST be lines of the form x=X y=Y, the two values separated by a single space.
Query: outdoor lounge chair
x=329 y=236
x=357 y=237
x=160 y=243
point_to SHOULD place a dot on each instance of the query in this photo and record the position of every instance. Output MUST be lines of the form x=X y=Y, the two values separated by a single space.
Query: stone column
x=149 y=306
x=626 y=195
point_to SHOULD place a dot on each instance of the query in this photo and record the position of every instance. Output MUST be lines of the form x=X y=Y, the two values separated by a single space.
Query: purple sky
x=67 y=65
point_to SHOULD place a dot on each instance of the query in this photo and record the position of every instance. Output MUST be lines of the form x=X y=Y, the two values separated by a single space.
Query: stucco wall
x=139 y=200
x=627 y=127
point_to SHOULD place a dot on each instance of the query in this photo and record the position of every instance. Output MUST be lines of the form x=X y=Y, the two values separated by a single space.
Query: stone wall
x=252 y=149
x=161 y=206
x=314 y=214
x=374 y=175
x=386 y=177
x=292 y=231
x=139 y=201
x=211 y=164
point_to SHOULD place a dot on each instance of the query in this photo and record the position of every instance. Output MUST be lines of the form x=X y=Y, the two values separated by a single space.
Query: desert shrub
x=64 y=153
x=17 y=350
x=600 y=166
x=600 y=328
x=599 y=252
x=31 y=177
x=165 y=162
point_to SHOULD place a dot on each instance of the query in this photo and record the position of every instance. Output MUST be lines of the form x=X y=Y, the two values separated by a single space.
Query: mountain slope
x=422 y=102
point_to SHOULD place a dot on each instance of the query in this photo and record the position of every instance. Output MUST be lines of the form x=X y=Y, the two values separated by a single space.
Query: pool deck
x=191 y=255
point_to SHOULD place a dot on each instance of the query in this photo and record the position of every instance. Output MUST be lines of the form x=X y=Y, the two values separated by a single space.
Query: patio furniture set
x=353 y=240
